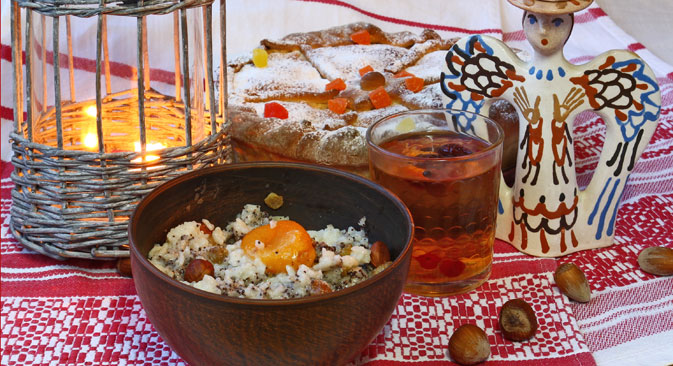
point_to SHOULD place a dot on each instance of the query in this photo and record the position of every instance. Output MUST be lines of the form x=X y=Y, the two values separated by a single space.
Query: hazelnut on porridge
x=268 y=257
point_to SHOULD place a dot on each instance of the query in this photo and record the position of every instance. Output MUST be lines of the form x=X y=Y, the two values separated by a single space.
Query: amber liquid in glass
x=453 y=205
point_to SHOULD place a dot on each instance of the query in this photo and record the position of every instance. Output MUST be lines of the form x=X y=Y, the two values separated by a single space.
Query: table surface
x=79 y=312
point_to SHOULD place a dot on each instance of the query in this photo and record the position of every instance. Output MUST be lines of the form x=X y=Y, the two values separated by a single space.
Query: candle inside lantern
x=91 y=111
x=149 y=147
x=90 y=140
x=148 y=157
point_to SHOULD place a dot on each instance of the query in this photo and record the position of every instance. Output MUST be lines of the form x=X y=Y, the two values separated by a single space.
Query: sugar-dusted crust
x=299 y=67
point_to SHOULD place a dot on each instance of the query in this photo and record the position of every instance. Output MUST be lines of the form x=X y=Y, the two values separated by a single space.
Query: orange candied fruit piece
x=414 y=84
x=361 y=37
x=337 y=105
x=365 y=70
x=273 y=109
x=403 y=74
x=336 y=84
x=285 y=244
x=380 y=97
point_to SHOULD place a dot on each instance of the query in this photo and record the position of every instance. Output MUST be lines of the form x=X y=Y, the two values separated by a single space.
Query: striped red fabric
x=400 y=21
x=79 y=312
x=89 y=65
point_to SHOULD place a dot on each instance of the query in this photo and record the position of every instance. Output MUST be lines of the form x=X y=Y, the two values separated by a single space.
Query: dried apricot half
x=280 y=244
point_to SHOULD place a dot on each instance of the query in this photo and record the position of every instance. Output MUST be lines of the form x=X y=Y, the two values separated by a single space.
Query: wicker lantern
x=116 y=97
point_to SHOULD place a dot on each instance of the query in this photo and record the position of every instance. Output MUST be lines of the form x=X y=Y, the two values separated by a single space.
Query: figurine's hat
x=551 y=6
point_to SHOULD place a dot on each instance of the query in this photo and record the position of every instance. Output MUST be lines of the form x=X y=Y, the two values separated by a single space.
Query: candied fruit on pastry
x=380 y=98
x=337 y=105
x=361 y=37
x=403 y=74
x=336 y=84
x=414 y=84
x=327 y=101
x=276 y=110
x=259 y=57
x=365 y=70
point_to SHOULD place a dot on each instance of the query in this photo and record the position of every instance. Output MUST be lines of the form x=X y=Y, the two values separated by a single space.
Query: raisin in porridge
x=265 y=257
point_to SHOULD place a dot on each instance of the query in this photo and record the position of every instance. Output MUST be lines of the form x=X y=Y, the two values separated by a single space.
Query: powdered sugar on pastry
x=345 y=61
x=285 y=74
x=429 y=97
x=426 y=67
x=305 y=116
x=367 y=118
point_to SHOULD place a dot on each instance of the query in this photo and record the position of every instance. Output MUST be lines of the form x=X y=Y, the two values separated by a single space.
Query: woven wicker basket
x=73 y=198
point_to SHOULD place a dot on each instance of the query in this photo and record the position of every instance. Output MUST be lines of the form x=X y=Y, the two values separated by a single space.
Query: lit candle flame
x=90 y=140
x=149 y=147
x=91 y=111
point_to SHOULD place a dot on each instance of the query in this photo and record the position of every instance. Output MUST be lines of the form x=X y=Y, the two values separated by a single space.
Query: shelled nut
x=124 y=267
x=372 y=80
x=379 y=254
x=517 y=320
x=656 y=260
x=197 y=269
x=469 y=345
x=572 y=282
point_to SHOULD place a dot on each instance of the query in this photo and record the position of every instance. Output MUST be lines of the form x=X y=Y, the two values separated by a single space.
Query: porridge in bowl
x=261 y=256
x=204 y=328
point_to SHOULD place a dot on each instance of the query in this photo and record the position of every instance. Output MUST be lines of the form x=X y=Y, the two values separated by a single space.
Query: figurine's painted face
x=547 y=33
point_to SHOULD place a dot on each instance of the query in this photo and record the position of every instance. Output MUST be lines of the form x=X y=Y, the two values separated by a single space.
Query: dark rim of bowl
x=270 y=302
x=473 y=156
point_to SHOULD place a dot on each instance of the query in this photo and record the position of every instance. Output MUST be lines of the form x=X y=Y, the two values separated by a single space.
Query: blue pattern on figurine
x=550 y=73
x=635 y=118
x=465 y=120
x=608 y=204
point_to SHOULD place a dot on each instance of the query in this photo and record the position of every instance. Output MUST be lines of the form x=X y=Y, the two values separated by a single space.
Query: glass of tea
x=445 y=166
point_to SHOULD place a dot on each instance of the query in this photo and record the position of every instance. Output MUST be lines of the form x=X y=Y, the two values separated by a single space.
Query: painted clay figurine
x=545 y=213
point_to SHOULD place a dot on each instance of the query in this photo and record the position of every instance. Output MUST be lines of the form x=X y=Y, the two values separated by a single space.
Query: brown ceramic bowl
x=209 y=329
